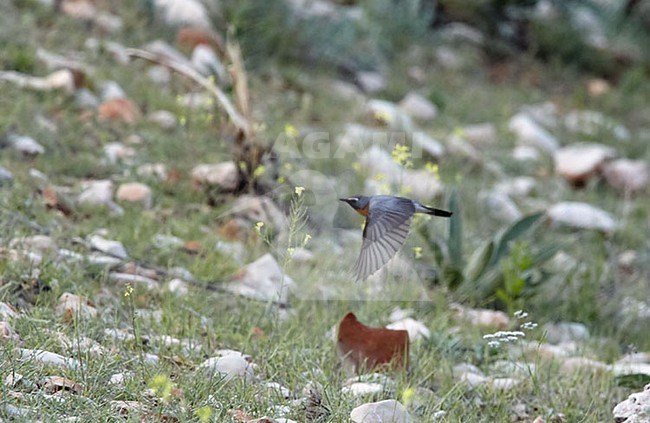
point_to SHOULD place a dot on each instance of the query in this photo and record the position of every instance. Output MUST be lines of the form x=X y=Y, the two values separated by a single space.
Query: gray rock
x=262 y=280
x=206 y=61
x=422 y=143
x=387 y=411
x=159 y=75
x=25 y=145
x=110 y=90
x=635 y=409
x=178 y=287
x=529 y=132
x=116 y=152
x=390 y=115
x=526 y=153
x=480 y=135
x=259 y=209
x=626 y=176
x=163 y=118
x=500 y=206
x=519 y=187
x=97 y=193
x=47 y=358
x=579 y=162
x=590 y=122
x=85 y=99
x=371 y=82
x=7 y=312
x=418 y=107
x=113 y=248
x=560 y=332
x=222 y=175
x=582 y=216
x=184 y=12
x=5 y=176
x=448 y=58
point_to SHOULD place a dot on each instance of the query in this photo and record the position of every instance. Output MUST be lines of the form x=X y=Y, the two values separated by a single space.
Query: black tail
x=436 y=212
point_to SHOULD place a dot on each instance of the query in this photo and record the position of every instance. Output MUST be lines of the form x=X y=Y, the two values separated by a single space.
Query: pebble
x=415 y=328
x=582 y=216
x=135 y=192
x=418 y=107
x=635 y=409
x=230 y=367
x=578 y=163
x=529 y=132
x=222 y=175
x=626 y=176
x=262 y=280
x=387 y=411
x=109 y=246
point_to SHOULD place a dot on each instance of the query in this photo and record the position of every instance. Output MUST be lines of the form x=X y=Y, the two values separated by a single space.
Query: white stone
x=591 y=122
x=400 y=314
x=387 y=411
x=520 y=186
x=263 y=280
x=525 y=153
x=500 y=206
x=206 y=61
x=557 y=333
x=223 y=175
x=627 y=175
x=111 y=247
x=117 y=152
x=421 y=142
x=229 y=367
x=480 y=135
x=418 y=107
x=416 y=329
x=72 y=306
x=111 y=90
x=578 y=162
x=178 y=287
x=389 y=114
x=146 y=282
x=529 y=132
x=47 y=358
x=97 y=193
x=371 y=82
x=25 y=145
x=582 y=216
x=184 y=12
x=157 y=170
x=359 y=389
x=635 y=409
x=7 y=312
x=163 y=118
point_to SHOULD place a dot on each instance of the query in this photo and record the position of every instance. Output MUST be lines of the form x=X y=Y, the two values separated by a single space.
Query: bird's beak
x=345 y=200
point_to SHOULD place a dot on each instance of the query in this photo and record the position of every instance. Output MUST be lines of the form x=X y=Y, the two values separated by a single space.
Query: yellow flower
x=407 y=395
x=129 y=289
x=259 y=171
x=291 y=130
x=418 y=252
x=299 y=191
x=306 y=240
x=402 y=155
x=204 y=414
x=162 y=386
x=383 y=116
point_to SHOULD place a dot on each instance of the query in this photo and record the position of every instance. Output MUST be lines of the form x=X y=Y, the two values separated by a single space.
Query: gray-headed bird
x=388 y=220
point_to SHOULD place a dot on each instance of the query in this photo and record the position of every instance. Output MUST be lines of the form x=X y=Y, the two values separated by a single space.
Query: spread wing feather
x=387 y=227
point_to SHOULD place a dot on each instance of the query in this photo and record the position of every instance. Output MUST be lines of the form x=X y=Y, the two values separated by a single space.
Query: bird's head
x=357 y=202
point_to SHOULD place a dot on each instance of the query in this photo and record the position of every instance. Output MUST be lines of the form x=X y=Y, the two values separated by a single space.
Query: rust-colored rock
x=365 y=348
x=190 y=37
x=118 y=110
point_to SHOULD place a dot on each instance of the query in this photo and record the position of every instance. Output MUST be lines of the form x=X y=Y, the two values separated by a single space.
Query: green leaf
x=478 y=261
x=455 y=243
x=514 y=231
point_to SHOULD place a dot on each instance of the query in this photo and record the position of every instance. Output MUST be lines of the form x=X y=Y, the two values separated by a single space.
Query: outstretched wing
x=387 y=226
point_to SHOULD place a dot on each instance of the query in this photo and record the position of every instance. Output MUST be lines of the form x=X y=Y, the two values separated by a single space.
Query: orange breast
x=363 y=211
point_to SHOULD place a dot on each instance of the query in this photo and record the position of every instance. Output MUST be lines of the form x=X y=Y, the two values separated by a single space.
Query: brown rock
x=135 y=192
x=190 y=37
x=365 y=348
x=118 y=110
x=579 y=163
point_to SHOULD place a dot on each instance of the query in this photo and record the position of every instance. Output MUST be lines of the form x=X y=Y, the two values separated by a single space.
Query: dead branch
x=242 y=124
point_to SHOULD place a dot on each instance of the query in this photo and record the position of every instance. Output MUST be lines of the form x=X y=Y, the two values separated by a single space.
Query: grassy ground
x=290 y=347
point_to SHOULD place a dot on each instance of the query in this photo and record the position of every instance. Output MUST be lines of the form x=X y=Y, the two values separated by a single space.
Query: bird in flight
x=388 y=220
